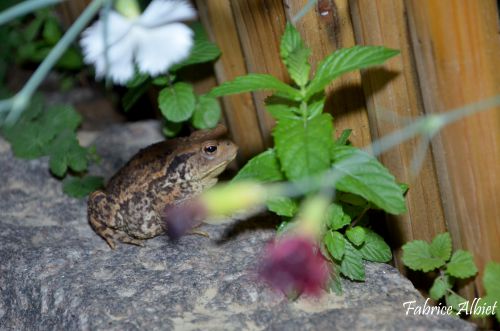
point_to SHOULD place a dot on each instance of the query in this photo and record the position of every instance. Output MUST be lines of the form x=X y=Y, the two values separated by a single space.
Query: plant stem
x=307 y=7
x=24 y=8
x=22 y=98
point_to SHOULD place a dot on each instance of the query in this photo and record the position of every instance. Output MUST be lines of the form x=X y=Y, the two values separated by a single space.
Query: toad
x=129 y=209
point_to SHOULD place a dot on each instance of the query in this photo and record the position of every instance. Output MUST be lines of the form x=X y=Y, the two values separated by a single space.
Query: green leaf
x=51 y=31
x=345 y=60
x=295 y=54
x=352 y=264
x=417 y=256
x=440 y=287
x=335 y=243
x=344 y=137
x=177 y=103
x=282 y=111
x=65 y=152
x=363 y=175
x=303 y=148
x=138 y=79
x=80 y=187
x=255 y=82
x=441 y=246
x=336 y=219
x=133 y=95
x=461 y=265
x=492 y=285
x=356 y=235
x=282 y=206
x=60 y=117
x=263 y=167
x=455 y=301
x=206 y=113
x=203 y=49
x=70 y=60
x=375 y=248
x=171 y=129
x=315 y=107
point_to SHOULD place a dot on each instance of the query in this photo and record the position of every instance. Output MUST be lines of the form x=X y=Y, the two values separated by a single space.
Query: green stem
x=24 y=8
x=307 y=7
x=22 y=98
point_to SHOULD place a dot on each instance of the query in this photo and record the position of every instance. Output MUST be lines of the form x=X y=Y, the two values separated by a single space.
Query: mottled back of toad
x=161 y=174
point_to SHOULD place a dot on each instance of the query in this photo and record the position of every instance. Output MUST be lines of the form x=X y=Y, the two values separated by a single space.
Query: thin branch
x=24 y=8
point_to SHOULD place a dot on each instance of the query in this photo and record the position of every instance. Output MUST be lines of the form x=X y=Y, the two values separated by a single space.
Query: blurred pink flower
x=294 y=265
x=183 y=217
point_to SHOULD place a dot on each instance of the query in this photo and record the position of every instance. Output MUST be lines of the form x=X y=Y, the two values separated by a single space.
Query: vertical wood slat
x=457 y=50
x=395 y=89
x=260 y=24
x=324 y=29
x=219 y=21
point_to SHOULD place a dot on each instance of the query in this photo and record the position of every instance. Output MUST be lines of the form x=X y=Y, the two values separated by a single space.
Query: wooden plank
x=260 y=24
x=457 y=51
x=240 y=113
x=325 y=28
x=70 y=10
x=394 y=88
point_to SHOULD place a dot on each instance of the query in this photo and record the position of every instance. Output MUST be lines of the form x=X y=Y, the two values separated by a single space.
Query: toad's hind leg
x=101 y=220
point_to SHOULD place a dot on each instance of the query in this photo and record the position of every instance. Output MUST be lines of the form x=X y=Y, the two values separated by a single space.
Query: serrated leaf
x=80 y=187
x=356 y=235
x=491 y=284
x=344 y=137
x=374 y=248
x=461 y=265
x=60 y=117
x=295 y=54
x=417 y=256
x=345 y=60
x=335 y=243
x=441 y=246
x=263 y=167
x=303 y=148
x=282 y=206
x=363 y=175
x=177 y=103
x=65 y=152
x=352 y=263
x=281 y=111
x=440 y=287
x=203 y=49
x=315 y=107
x=206 y=113
x=255 y=82
x=336 y=219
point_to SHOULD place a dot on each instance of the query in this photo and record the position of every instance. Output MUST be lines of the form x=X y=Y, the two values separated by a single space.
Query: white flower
x=153 y=41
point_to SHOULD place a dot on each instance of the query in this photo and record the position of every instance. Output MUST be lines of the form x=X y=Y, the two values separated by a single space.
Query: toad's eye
x=210 y=149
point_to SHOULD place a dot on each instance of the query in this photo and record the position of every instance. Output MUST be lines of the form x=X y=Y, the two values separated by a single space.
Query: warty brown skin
x=129 y=209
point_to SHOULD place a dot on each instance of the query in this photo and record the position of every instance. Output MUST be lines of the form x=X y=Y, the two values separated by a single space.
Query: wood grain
x=240 y=112
x=260 y=24
x=457 y=51
x=325 y=28
x=392 y=95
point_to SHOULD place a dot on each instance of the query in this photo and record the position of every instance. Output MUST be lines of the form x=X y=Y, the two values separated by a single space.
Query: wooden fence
x=450 y=56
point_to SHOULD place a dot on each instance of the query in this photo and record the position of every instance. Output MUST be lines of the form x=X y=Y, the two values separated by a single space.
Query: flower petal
x=160 y=12
x=92 y=40
x=161 y=47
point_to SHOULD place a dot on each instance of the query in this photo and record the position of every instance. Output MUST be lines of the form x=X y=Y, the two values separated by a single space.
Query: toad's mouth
x=214 y=172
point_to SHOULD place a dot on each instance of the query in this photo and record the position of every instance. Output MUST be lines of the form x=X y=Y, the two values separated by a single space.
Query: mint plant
x=423 y=256
x=177 y=101
x=304 y=147
x=437 y=256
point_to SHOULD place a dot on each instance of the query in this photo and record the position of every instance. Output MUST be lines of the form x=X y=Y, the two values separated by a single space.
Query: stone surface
x=56 y=274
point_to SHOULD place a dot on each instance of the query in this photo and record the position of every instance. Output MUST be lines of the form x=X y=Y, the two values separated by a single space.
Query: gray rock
x=56 y=274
